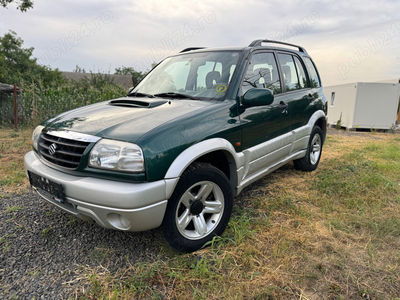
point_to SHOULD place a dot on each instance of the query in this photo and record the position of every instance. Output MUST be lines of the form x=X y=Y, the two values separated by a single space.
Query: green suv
x=200 y=127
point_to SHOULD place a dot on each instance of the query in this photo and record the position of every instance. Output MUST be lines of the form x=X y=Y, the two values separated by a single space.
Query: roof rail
x=258 y=43
x=191 y=49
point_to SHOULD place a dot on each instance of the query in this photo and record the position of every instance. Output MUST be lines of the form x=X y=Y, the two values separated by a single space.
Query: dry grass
x=13 y=146
x=330 y=234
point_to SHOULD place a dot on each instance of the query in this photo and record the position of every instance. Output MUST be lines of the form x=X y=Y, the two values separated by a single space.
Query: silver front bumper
x=112 y=204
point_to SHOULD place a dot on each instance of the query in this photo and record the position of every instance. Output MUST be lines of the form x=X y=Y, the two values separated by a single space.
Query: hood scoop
x=137 y=103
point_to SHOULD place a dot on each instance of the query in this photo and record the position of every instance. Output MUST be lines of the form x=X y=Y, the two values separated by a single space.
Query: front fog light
x=116 y=155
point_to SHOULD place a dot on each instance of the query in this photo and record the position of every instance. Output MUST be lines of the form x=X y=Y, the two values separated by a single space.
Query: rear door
x=298 y=94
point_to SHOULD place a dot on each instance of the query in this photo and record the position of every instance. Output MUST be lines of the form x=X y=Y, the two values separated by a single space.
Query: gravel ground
x=42 y=249
x=45 y=253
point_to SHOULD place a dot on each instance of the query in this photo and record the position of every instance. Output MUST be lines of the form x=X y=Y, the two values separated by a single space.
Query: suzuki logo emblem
x=52 y=149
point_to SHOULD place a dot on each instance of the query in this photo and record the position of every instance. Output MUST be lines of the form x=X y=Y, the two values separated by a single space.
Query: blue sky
x=349 y=40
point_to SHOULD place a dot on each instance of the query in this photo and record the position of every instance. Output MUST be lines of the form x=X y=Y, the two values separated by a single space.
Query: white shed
x=364 y=105
x=393 y=80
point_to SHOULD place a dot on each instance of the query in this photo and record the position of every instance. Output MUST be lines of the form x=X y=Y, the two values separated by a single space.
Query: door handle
x=282 y=106
x=310 y=97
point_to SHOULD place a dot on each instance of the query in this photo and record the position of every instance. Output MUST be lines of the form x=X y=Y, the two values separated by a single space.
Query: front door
x=265 y=137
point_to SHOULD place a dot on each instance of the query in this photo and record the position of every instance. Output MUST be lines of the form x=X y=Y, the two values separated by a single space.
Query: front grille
x=61 y=151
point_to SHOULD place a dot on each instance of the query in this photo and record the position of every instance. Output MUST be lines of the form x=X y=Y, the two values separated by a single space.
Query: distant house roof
x=123 y=80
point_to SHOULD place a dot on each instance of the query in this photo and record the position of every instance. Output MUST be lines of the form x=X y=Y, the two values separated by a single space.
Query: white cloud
x=145 y=30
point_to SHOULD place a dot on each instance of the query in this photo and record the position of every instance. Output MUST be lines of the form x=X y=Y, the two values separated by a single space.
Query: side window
x=312 y=72
x=262 y=73
x=301 y=73
x=289 y=72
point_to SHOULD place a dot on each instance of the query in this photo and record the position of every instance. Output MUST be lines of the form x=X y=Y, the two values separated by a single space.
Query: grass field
x=330 y=234
x=13 y=146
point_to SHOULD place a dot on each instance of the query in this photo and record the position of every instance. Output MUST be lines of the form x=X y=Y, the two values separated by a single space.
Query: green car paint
x=166 y=130
x=164 y=143
x=163 y=132
x=122 y=122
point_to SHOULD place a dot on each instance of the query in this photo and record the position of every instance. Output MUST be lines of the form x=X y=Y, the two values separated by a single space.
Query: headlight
x=35 y=136
x=118 y=156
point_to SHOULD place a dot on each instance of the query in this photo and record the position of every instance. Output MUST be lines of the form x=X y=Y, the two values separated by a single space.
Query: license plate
x=54 y=189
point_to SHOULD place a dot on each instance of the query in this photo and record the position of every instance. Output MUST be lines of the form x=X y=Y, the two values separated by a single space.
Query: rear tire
x=199 y=208
x=310 y=161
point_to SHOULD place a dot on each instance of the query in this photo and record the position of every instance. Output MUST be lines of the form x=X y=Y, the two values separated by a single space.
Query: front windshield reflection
x=204 y=76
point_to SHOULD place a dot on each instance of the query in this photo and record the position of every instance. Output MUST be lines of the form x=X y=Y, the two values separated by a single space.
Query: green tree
x=136 y=75
x=22 y=5
x=3 y=69
x=17 y=64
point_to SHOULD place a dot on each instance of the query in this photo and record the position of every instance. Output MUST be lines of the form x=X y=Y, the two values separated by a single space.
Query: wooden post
x=15 y=107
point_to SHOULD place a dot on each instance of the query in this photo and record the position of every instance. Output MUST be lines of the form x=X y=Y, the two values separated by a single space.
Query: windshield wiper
x=175 y=95
x=139 y=94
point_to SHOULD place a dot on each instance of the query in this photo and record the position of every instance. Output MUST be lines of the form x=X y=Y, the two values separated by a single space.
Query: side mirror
x=258 y=97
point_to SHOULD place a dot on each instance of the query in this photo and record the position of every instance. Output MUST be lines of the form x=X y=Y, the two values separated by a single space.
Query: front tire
x=199 y=208
x=311 y=160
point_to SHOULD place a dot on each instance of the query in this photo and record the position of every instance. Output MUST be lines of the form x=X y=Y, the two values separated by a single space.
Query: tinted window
x=301 y=73
x=262 y=73
x=312 y=72
x=289 y=72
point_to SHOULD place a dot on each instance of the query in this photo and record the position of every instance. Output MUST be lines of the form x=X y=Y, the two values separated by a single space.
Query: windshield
x=202 y=76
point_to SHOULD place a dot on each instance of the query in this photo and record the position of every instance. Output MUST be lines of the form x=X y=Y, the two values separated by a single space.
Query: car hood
x=125 y=119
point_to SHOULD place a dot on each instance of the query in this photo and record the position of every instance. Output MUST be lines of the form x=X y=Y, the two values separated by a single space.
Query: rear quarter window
x=312 y=72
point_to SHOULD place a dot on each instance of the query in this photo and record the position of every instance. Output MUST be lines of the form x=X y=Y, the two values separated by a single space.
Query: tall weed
x=37 y=102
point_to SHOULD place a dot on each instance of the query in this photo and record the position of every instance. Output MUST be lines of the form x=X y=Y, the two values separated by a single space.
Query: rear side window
x=289 y=72
x=301 y=73
x=314 y=79
x=262 y=73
